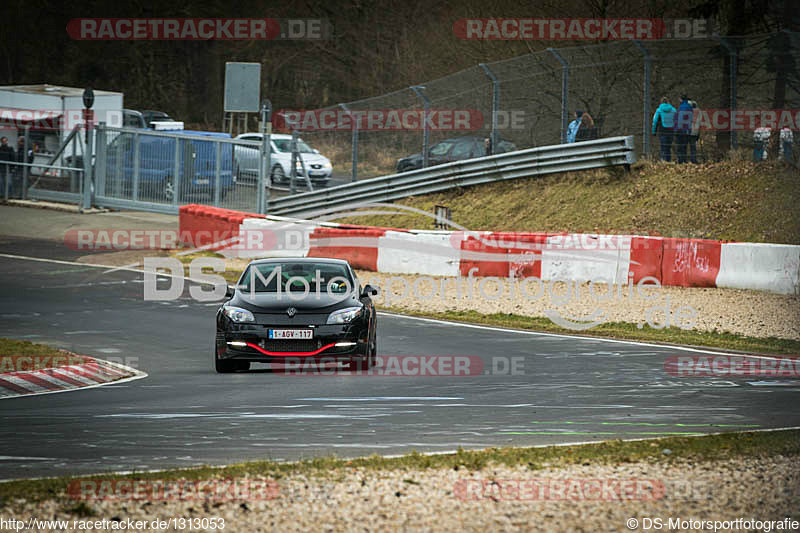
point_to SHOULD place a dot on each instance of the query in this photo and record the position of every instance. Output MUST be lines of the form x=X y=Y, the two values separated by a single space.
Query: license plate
x=202 y=181
x=317 y=172
x=291 y=334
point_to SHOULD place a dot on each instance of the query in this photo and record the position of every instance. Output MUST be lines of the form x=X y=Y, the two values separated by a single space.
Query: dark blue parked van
x=157 y=159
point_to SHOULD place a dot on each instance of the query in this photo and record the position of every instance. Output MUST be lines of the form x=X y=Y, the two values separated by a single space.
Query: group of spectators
x=582 y=127
x=762 y=138
x=679 y=126
x=11 y=175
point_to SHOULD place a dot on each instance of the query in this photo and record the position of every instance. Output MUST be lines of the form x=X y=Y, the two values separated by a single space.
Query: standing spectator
x=787 y=137
x=6 y=154
x=587 y=131
x=694 y=135
x=572 y=129
x=760 y=139
x=22 y=157
x=683 y=128
x=663 y=124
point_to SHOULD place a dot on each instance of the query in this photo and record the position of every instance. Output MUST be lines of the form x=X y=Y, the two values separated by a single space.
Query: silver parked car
x=246 y=160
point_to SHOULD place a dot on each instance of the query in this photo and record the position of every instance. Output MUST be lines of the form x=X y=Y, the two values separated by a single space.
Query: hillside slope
x=730 y=200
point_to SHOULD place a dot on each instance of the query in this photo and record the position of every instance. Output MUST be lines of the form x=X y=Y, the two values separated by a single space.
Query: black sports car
x=289 y=309
x=455 y=149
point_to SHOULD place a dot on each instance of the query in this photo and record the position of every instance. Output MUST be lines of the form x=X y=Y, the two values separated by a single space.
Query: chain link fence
x=529 y=100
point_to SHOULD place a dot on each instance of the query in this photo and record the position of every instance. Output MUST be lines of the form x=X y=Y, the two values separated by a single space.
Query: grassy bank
x=730 y=200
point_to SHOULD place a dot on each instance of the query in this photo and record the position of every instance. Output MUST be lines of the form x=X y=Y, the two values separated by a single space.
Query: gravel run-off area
x=583 y=498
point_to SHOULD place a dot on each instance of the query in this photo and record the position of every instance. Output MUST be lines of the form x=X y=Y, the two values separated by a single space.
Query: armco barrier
x=581 y=257
x=598 y=153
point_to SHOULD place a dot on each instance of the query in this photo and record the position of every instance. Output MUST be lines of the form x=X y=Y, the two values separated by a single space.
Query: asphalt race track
x=571 y=389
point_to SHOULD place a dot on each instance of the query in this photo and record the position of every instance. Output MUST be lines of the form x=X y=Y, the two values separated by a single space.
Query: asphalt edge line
x=567 y=336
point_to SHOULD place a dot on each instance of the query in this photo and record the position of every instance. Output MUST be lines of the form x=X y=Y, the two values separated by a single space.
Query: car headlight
x=237 y=314
x=327 y=164
x=343 y=316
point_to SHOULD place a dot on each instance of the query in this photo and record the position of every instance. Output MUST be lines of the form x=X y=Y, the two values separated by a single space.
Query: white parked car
x=246 y=160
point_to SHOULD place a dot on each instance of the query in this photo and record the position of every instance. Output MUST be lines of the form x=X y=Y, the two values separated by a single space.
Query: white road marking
x=566 y=336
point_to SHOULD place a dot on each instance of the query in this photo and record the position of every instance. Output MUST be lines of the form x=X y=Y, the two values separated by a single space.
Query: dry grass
x=729 y=200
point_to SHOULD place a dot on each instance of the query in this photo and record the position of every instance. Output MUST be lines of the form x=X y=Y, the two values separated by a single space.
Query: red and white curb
x=93 y=373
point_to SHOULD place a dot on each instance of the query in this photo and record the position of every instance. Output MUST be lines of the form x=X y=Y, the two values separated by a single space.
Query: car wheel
x=168 y=189
x=222 y=366
x=277 y=174
x=365 y=362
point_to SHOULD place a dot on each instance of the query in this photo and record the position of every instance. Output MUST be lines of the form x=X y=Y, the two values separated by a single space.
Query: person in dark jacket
x=694 y=134
x=664 y=124
x=19 y=171
x=587 y=131
x=683 y=128
x=6 y=154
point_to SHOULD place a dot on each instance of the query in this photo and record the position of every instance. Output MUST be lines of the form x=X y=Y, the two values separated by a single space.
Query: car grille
x=316 y=166
x=284 y=345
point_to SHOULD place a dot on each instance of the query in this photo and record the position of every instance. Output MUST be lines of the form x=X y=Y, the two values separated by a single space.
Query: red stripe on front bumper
x=288 y=354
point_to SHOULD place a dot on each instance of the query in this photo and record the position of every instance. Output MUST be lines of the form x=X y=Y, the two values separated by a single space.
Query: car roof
x=299 y=260
x=201 y=133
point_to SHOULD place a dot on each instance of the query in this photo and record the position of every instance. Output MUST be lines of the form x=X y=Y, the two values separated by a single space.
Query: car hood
x=270 y=302
x=412 y=157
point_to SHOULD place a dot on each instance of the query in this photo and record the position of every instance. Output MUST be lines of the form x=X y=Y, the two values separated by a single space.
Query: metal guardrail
x=598 y=153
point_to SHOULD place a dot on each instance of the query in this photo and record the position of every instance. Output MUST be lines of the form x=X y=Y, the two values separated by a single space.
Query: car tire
x=278 y=176
x=168 y=189
x=365 y=362
x=223 y=366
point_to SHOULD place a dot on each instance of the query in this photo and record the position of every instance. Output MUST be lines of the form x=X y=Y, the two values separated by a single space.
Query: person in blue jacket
x=572 y=129
x=664 y=124
x=683 y=128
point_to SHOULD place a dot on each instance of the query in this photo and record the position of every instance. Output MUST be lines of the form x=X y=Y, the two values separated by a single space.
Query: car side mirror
x=369 y=290
x=315 y=151
x=229 y=291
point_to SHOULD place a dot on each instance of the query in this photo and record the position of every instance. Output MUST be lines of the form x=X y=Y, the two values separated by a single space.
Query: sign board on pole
x=242 y=87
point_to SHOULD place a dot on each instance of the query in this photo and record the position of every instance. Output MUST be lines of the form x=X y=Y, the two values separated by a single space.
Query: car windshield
x=333 y=278
x=442 y=148
x=285 y=145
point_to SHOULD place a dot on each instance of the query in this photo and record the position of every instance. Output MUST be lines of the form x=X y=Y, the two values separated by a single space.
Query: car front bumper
x=247 y=342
